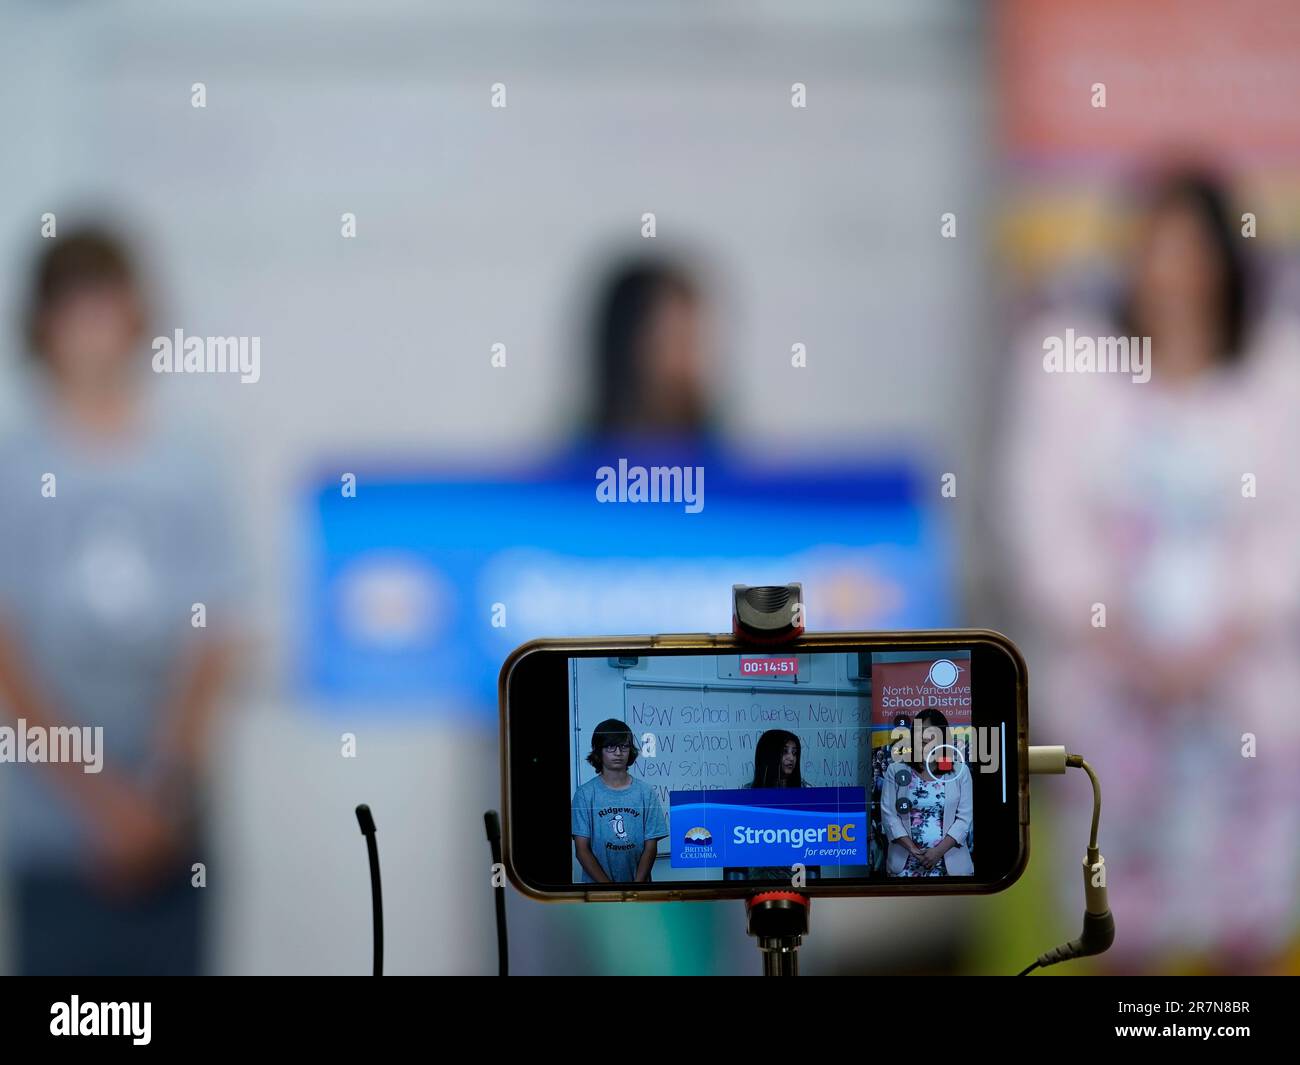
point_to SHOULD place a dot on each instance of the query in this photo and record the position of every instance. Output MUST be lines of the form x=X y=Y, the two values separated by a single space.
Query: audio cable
x=1098 y=924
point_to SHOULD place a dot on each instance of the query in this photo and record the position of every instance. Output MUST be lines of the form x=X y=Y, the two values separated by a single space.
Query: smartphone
x=698 y=766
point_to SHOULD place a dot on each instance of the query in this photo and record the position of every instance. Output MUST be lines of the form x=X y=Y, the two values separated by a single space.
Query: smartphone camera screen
x=788 y=769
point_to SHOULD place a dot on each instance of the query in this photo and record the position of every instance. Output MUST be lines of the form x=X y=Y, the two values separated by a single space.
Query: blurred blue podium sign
x=418 y=586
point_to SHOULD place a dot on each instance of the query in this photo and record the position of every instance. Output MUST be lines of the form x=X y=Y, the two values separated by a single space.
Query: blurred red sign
x=1178 y=74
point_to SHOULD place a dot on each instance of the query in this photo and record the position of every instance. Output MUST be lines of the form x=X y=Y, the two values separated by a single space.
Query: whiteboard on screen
x=705 y=739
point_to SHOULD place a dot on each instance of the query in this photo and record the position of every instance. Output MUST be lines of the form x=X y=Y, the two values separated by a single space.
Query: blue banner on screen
x=768 y=826
x=417 y=584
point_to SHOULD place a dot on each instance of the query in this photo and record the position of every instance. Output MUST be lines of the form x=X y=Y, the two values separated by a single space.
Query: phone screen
x=783 y=769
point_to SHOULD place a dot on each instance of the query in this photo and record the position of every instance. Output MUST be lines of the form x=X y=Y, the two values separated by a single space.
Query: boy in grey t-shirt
x=617 y=819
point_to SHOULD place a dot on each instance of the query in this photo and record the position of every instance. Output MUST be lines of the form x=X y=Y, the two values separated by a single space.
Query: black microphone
x=492 y=822
x=367 y=823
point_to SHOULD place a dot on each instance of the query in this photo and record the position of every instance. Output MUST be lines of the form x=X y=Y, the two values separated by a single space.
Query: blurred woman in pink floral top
x=1153 y=536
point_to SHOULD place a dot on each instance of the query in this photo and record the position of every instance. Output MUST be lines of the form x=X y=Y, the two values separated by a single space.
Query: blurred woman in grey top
x=117 y=576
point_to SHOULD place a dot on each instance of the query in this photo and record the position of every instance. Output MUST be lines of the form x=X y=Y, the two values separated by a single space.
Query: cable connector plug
x=1047 y=759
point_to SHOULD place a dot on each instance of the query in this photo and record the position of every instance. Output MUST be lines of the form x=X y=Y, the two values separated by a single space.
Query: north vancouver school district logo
x=944 y=673
x=699 y=837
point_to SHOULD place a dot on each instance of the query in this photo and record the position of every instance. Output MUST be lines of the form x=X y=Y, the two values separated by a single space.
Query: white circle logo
x=943 y=673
